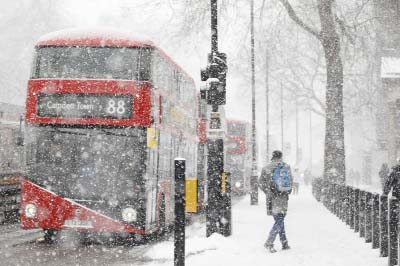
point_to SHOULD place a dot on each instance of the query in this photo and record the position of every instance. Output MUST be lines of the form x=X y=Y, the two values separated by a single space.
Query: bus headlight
x=238 y=184
x=30 y=210
x=129 y=214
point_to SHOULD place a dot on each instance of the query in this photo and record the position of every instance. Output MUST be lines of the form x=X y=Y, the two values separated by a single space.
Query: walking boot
x=270 y=247
x=285 y=245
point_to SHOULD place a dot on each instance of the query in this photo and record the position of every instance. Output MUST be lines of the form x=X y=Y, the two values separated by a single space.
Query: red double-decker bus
x=237 y=155
x=106 y=114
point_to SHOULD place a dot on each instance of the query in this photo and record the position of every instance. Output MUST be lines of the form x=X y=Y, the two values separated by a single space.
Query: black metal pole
x=214 y=27
x=341 y=202
x=375 y=221
x=325 y=192
x=332 y=198
x=362 y=213
x=215 y=94
x=179 y=230
x=384 y=228
x=368 y=217
x=348 y=205
x=335 y=194
x=267 y=104
x=357 y=210
x=254 y=175
x=352 y=207
x=393 y=231
x=214 y=171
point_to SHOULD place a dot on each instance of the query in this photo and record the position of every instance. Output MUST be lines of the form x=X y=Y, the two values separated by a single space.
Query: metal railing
x=375 y=217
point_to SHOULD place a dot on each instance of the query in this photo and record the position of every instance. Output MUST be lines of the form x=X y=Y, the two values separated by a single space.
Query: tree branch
x=292 y=14
x=342 y=27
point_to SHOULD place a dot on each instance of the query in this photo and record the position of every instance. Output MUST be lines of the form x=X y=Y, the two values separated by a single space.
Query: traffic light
x=215 y=74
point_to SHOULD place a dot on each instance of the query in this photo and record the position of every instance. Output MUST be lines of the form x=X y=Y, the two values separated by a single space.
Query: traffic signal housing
x=215 y=75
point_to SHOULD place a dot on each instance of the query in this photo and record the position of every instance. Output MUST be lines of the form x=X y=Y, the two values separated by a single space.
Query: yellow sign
x=191 y=195
x=151 y=138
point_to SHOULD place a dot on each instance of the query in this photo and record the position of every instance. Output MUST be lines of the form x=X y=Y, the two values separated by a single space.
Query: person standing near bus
x=276 y=182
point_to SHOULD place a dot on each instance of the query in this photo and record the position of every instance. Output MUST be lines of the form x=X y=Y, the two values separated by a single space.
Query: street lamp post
x=267 y=104
x=281 y=117
x=253 y=178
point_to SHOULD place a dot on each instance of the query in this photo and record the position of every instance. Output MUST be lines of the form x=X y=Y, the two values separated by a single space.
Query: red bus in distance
x=237 y=155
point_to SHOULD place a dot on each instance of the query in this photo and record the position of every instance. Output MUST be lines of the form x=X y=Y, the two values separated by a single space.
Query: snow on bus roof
x=94 y=37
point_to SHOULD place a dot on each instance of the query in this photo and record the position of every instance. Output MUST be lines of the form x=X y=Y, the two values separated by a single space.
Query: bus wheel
x=136 y=239
x=84 y=238
x=11 y=216
x=50 y=235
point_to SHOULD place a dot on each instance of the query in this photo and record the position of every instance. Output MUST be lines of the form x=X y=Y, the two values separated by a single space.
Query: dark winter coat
x=393 y=182
x=279 y=200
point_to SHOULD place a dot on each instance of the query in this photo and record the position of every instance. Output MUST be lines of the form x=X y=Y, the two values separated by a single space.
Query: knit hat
x=276 y=155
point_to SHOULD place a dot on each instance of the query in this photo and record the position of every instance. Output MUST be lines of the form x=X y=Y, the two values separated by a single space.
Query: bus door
x=153 y=134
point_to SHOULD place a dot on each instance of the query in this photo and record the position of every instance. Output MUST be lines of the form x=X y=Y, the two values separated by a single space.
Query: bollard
x=362 y=213
x=352 y=207
x=375 y=221
x=317 y=188
x=356 y=210
x=336 y=196
x=327 y=195
x=325 y=192
x=343 y=203
x=348 y=205
x=384 y=226
x=368 y=217
x=393 y=231
x=179 y=230
x=338 y=200
x=333 y=206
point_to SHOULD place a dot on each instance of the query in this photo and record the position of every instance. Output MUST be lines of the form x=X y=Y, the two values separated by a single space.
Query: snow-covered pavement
x=316 y=237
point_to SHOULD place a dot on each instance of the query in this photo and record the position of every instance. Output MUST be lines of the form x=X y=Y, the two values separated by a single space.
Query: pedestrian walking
x=276 y=182
x=393 y=181
x=383 y=174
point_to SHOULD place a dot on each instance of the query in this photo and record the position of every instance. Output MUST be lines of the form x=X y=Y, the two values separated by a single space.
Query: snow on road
x=316 y=237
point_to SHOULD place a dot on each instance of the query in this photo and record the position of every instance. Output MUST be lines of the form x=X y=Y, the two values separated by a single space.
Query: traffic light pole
x=214 y=27
x=215 y=94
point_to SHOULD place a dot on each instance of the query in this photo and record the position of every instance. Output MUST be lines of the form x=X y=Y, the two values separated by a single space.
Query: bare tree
x=334 y=158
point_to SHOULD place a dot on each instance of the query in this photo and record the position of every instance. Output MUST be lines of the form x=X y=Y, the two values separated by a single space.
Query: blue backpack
x=282 y=179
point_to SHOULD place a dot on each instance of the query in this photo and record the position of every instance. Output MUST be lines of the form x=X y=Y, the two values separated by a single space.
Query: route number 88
x=118 y=107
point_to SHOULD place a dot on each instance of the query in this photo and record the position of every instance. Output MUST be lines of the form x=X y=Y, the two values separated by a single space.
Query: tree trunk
x=334 y=159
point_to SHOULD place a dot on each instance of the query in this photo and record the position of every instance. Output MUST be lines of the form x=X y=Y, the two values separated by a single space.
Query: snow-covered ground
x=316 y=237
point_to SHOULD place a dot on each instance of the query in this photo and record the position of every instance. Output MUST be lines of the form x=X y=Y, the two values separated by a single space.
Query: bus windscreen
x=86 y=62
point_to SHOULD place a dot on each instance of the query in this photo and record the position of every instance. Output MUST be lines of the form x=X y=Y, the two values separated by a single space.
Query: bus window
x=85 y=62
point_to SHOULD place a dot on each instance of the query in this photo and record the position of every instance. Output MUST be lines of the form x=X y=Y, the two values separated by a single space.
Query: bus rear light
x=129 y=214
x=30 y=210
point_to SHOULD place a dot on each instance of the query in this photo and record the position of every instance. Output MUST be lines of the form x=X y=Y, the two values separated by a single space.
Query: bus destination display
x=85 y=105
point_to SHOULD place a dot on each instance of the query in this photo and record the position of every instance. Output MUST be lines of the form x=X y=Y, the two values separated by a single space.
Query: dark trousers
x=278 y=228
